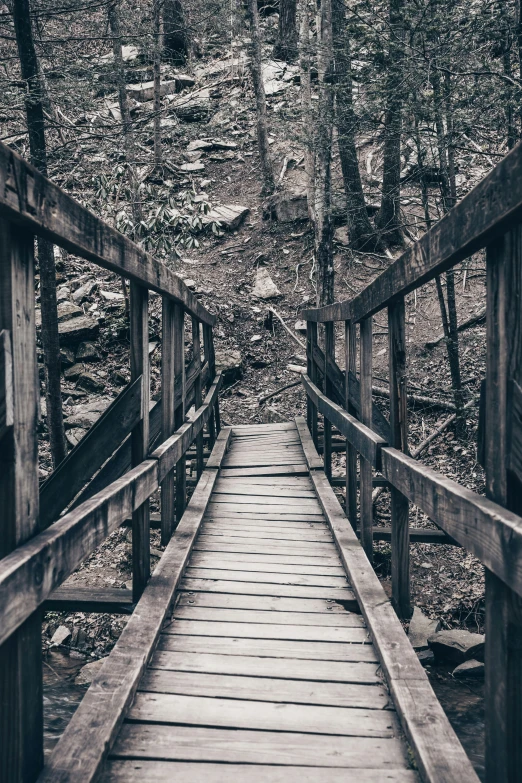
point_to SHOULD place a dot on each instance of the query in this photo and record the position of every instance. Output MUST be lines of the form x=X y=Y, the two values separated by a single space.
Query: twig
x=298 y=341
x=261 y=400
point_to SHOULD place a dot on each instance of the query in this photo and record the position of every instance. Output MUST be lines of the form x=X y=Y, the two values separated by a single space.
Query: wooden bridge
x=263 y=647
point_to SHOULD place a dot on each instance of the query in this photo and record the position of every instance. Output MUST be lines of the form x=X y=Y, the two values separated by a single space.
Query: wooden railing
x=131 y=451
x=490 y=527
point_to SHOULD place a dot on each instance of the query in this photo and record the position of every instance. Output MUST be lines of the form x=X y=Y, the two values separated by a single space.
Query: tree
x=175 y=38
x=286 y=44
x=34 y=100
x=388 y=218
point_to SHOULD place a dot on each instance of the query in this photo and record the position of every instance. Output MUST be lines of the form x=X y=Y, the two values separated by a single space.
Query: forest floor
x=447 y=582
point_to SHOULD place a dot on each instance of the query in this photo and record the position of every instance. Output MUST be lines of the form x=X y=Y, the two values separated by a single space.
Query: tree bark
x=36 y=130
x=259 y=92
x=306 y=105
x=156 y=32
x=361 y=234
x=323 y=159
x=175 y=39
x=286 y=45
x=388 y=218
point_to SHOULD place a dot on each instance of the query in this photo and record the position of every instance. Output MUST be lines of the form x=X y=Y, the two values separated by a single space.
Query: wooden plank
x=179 y=372
x=208 y=349
x=438 y=752
x=96 y=446
x=283 y=668
x=308 y=546
x=73 y=598
x=309 y=505
x=351 y=451
x=220 y=449
x=365 y=466
x=258 y=489
x=255 y=630
x=329 y=355
x=169 y=420
x=484 y=213
x=21 y=718
x=417 y=535
x=263 y=588
x=215 y=561
x=97 y=720
x=311 y=410
x=290 y=482
x=400 y=543
x=372 y=697
x=316 y=619
x=198 y=391
x=262 y=577
x=244 y=522
x=166 y=771
x=266 y=548
x=310 y=606
x=256 y=429
x=41 y=207
x=267 y=470
x=266 y=716
x=313 y=461
x=215 y=529
x=262 y=511
x=303 y=561
x=269 y=648
x=6 y=383
x=364 y=439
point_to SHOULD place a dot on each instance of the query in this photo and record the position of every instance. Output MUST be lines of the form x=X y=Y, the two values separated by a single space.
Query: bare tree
x=175 y=38
x=286 y=44
x=259 y=92
x=156 y=33
x=306 y=105
x=34 y=100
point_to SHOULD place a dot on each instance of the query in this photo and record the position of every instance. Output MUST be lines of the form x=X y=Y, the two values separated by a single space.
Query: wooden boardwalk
x=266 y=660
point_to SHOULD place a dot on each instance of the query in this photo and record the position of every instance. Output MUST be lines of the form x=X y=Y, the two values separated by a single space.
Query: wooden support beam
x=198 y=390
x=311 y=410
x=400 y=545
x=6 y=383
x=168 y=411
x=417 y=535
x=179 y=372
x=329 y=355
x=210 y=359
x=139 y=360
x=351 y=452
x=21 y=716
x=73 y=598
x=365 y=494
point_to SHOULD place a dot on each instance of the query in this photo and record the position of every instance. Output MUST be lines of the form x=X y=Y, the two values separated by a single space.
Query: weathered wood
x=503 y=686
x=6 y=383
x=21 y=717
x=253 y=630
x=265 y=716
x=220 y=449
x=139 y=361
x=302 y=561
x=95 y=724
x=493 y=206
x=268 y=470
x=263 y=689
x=208 y=352
x=30 y=573
x=311 y=606
x=329 y=355
x=311 y=410
x=41 y=207
x=364 y=439
x=267 y=578
x=264 y=588
x=168 y=409
x=400 y=545
x=90 y=453
x=351 y=452
x=73 y=598
x=304 y=619
x=365 y=466
x=198 y=391
x=417 y=535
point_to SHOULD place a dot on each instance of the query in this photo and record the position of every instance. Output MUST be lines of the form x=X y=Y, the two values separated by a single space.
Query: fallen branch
x=298 y=341
x=475 y=320
x=261 y=400
x=416 y=398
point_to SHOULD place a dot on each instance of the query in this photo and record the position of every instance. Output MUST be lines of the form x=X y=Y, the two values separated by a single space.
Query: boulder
x=67 y=357
x=426 y=657
x=457 y=645
x=88 y=672
x=74 y=372
x=76 y=330
x=81 y=420
x=420 y=628
x=63 y=294
x=230 y=216
x=88 y=382
x=111 y=296
x=230 y=363
x=272 y=416
x=74 y=436
x=286 y=207
x=84 y=291
x=61 y=634
x=471 y=668
x=264 y=287
x=196 y=109
x=88 y=352
x=300 y=326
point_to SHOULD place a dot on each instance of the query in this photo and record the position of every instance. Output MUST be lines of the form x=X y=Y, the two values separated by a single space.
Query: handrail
x=32 y=571
x=34 y=202
x=490 y=209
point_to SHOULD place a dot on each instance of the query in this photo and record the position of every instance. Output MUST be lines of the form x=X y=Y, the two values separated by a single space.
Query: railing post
x=311 y=337
x=179 y=418
x=198 y=396
x=208 y=350
x=503 y=654
x=329 y=355
x=168 y=403
x=21 y=717
x=351 y=453
x=139 y=361
x=366 y=488
x=400 y=536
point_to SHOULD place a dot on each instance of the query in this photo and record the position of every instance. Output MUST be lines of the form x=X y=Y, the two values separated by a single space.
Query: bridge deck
x=265 y=661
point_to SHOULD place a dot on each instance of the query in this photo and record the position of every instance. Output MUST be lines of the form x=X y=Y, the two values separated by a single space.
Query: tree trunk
x=36 y=130
x=286 y=45
x=388 y=218
x=175 y=39
x=259 y=92
x=323 y=159
x=361 y=233
x=156 y=32
x=306 y=106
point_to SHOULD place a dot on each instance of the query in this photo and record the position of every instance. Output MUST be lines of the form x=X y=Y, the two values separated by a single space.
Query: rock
x=78 y=329
x=300 y=326
x=273 y=73
x=272 y=416
x=145 y=91
x=68 y=310
x=74 y=436
x=88 y=672
x=67 y=357
x=85 y=290
x=82 y=420
x=211 y=144
x=457 y=646
x=90 y=383
x=286 y=207
x=196 y=109
x=420 y=628
x=256 y=338
x=471 y=668
x=426 y=657
x=74 y=372
x=88 y=352
x=230 y=216
x=341 y=236
x=190 y=283
x=60 y=635
x=230 y=363
x=63 y=294
x=192 y=167
x=119 y=378
x=112 y=296
x=296 y=368
x=264 y=287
